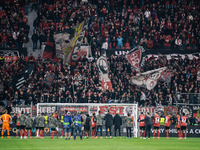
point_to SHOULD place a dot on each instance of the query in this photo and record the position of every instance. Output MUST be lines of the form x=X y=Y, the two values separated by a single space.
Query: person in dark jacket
x=87 y=126
x=34 y=40
x=108 y=123
x=117 y=122
x=148 y=123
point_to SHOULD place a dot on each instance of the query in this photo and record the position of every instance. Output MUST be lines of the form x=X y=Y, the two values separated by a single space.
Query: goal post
x=89 y=108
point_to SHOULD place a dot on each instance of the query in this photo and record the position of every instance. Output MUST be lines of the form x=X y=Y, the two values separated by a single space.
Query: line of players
x=24 y=124
x=181 y=125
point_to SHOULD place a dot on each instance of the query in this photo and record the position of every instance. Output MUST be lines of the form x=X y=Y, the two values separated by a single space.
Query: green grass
x=100 y=144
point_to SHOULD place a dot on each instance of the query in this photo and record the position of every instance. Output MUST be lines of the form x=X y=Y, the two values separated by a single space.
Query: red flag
x=106 y=85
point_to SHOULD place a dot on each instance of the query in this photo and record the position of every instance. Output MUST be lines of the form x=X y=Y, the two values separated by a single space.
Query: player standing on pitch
x=129 y=125
x=99 y=124
x=62 y=122
x=184 y=121
x=147 y=120
x=142 y=125
x=41 y=124
x=93 y=123
x=36 y=120
x=22 y=119
x=6 y=118
x=29 y=125
x=56 y=116
x=17 y=124
x=178 y=126
x=156 y=125
x=167 y=124
x=117 y=122
x=108 y=123
x=52 y=124
x=83 y=123
x=87 y=126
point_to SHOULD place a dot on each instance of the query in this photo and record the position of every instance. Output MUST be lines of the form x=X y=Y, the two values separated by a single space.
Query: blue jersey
x=77 y=120
x=67 y=121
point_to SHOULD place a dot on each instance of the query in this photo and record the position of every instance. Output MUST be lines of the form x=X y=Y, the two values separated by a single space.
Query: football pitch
x=99 y=144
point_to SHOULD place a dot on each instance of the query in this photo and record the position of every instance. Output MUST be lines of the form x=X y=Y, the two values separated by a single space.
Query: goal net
x=87 y=108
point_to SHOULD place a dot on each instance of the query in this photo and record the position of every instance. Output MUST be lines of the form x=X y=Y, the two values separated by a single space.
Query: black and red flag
x=136 y=57
x=49 y=51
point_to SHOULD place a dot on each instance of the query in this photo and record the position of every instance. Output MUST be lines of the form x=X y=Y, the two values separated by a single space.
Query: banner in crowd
x=198 y=75
x=189 y=110
x=85 y=50
x=175 y=56
x=192 y=131
x=161 y=110
x=77 y=42
x=19 y=80
x=148 y=79
x=103 y=72
x=196 y=111
x=136 y=57
x=66 y=41
x=49 y=51
x=9 y=55
x=156 y=53
x=48 y=80
x=166 y=77
x=25 y=109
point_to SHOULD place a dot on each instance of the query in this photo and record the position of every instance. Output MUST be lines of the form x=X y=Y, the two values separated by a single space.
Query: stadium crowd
x=14 y=28
x=66 y=88
x=170 y=24
x=123 y=24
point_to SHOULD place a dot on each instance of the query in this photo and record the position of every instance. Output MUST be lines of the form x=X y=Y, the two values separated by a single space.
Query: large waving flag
x=148 y=79
x=136 y=57
x=103 y=72
x=49 y=51
x=19 y=80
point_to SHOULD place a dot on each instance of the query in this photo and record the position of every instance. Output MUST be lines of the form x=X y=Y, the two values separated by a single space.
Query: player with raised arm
x=6 y=118
x=53 y=122
x=184 y=122
x=178 y=126
x=22 y=119
x=167 y=124
x=156 y=125
x=29 y=125
x=142 y=125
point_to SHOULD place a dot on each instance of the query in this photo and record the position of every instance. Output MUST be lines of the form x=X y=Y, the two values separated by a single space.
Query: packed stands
x=124 y=24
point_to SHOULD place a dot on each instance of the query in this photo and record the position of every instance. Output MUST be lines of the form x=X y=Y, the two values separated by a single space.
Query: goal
x=89 y=108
